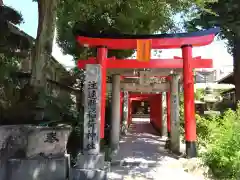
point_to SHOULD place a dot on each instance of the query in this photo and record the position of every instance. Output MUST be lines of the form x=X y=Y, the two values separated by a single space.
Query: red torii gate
x=185 y=41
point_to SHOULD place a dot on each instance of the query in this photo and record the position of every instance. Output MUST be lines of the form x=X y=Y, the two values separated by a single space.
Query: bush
x=221 y=137
x=205 y=124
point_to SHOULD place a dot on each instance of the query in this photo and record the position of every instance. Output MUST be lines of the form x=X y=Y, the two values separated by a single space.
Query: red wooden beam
x=163 y=41
x=140 y=99
x=177 y=57
x=138 y=77
x=139 y=95
x=160 y=63
x=153 y=63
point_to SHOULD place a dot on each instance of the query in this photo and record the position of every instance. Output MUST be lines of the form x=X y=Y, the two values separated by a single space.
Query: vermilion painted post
x=101 y=58
x=121 y=102
x=121 y=107
x=189 y=108
x=168 y=114
x=156 y=111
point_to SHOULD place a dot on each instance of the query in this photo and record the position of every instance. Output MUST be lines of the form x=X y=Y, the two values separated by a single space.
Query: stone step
x=134 y=162
x=88 y=174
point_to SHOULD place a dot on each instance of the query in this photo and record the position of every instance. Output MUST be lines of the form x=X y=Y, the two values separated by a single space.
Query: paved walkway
x=142 y=156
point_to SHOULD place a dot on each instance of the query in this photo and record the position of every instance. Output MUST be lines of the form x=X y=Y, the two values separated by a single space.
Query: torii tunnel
x=135 y=80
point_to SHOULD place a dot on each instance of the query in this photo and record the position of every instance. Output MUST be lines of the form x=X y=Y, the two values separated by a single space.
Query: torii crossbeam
x=112 y=63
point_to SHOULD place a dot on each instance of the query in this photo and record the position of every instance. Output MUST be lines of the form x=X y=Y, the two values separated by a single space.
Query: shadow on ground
x=141 y=152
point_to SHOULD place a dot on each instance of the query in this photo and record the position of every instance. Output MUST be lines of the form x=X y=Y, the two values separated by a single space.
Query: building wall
x=229 y=96
x=53 y=71
x=211 y=75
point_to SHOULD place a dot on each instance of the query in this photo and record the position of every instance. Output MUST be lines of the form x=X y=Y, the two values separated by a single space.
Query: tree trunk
x=43 y=47
x=236 y=60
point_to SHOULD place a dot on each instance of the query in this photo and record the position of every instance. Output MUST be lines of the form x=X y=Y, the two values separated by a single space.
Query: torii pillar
x=101 y=59
x=175 y=123
x=189 y=107
x=116 y=115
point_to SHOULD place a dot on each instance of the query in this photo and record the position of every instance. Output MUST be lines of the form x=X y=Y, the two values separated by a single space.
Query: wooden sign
x=144 y=50
x=145 y=78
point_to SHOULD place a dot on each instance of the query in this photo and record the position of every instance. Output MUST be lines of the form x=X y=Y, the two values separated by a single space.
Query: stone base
x=124 y=128
x=37 y=169
x=90 y=167
x=88 y=174
x=108 y=157
x=90 y=161
x=107 y=167
x=2 y=171
x=114 y=149
x=167 y=144
x=175 y=145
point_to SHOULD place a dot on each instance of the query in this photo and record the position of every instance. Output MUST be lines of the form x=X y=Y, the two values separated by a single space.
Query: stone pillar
x=125 y=113
x=189 y=106
x=168 y=104
x=121 y=106
x=168 y=114
x=129 y=112
x=175 y=120
x=115 y=116
x=90 y=164
x=164 y=115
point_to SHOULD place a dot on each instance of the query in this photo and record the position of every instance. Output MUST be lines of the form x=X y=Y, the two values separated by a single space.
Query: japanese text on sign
x=92 y=114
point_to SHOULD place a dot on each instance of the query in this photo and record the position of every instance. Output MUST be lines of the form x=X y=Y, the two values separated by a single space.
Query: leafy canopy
x=225 y=14
x=121 y=16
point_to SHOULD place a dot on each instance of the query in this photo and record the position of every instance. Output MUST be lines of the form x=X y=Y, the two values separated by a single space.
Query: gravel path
x=142 y=157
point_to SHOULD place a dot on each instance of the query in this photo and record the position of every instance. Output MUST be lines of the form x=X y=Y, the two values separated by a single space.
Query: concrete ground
x=142 y=157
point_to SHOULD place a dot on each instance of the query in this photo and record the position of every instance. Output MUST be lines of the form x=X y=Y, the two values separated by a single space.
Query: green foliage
x=59 y=109
x=225 y=15
x=116 y=17
x=204 y=126
x=11 y=38
x=16 y=95
x=199 y=94
x=9 y=86
x=181 y=113
x=220 y=136
x=10 y=14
